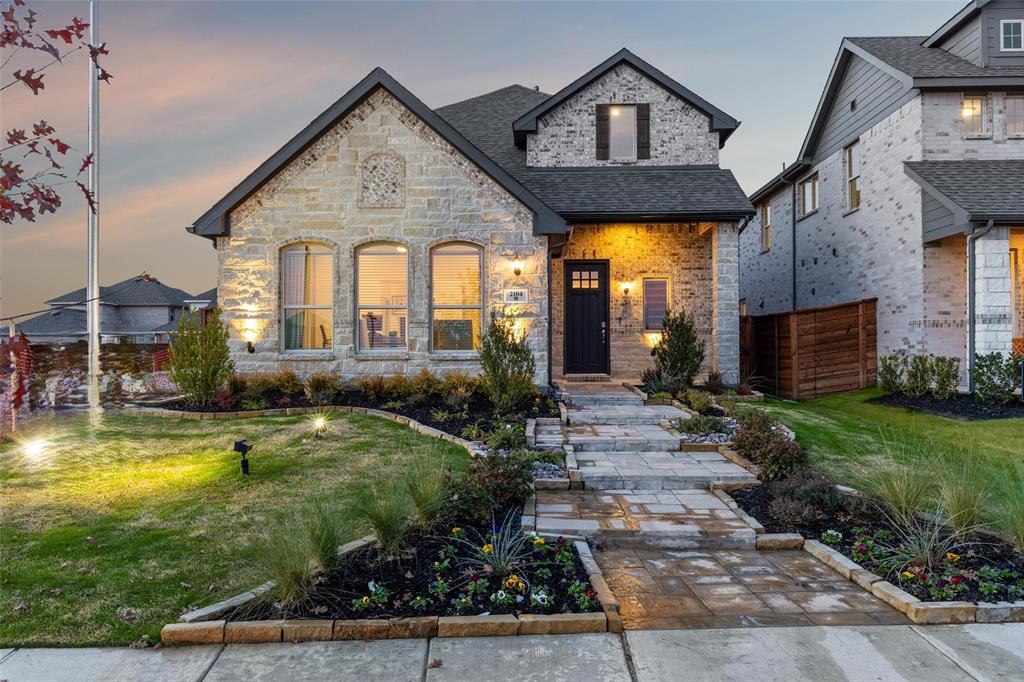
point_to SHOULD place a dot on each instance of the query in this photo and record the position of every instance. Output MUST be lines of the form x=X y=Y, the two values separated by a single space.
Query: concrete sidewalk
x=937 y=653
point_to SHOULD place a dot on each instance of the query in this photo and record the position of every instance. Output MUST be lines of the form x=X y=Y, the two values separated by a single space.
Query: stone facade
x=422 y=192
x=700 y=264
x=567 y=136
x=944 y=140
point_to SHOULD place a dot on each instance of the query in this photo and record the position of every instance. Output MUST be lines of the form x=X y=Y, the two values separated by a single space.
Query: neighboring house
x=204 y=303
x=140 y=310
x=909 y=188
x=384 y=235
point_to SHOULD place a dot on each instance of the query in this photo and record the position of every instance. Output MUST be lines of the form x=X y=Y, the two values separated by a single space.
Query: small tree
x=996 y=377
x=507 y=365
x=200 y=361
x=679 y=352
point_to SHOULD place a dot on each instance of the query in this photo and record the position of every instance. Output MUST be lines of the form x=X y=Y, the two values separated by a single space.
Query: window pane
x=307 y=329
x=853 y=161
x=456 y=275
x=382 y=329
x=973 y=116
x=306 y=277
x=622 y=132
x=655 y=303
x=1015 y=115
x=457 y=329
x=1012 y=31
x=383 y=275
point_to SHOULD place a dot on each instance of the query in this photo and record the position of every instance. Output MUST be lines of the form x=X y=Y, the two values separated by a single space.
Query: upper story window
x=1011 y=33
x=655 y=303
x=973 y=117
x=809 y=195
x=853 y=164
x=382 y=290
x=307 y=297
x=623 y=132
x=1015 y=115
x=457 y=291
x=766 y=226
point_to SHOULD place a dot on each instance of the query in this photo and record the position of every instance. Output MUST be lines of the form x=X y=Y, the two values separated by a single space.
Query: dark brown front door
x=586 y=317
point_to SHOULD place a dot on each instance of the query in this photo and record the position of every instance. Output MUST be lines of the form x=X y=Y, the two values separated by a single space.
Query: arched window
x=457 y=296
x=307 y=297
x=382 y=288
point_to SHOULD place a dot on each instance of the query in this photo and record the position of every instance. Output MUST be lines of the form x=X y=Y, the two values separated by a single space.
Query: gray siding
x=966 y=42
x=937 y=220
x=877 y=94
x=992 y=15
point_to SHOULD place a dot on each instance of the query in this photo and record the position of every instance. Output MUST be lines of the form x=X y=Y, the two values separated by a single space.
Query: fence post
x=862 y=345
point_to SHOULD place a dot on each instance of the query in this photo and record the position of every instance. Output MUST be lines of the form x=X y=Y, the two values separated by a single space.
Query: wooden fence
x=813 y=352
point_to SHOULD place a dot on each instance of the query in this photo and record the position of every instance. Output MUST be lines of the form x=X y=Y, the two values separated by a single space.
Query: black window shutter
x=602 y=131
x=643 y=131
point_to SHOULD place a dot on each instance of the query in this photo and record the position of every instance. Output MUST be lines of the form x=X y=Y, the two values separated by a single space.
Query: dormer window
x=622 y=132
x=1011 y=32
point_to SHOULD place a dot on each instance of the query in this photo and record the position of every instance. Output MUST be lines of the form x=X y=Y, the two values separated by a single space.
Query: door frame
x=601 y=263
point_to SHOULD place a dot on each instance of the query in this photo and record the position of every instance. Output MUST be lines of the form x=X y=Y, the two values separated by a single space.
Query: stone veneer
x=701 y=265
x=322 y=197
x=567 y=136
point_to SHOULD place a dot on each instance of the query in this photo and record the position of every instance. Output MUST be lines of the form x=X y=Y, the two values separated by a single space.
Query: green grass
x=115 y=530
x=845 y=434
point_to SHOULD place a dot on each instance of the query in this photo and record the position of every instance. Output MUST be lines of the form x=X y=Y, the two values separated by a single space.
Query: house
x=203 y=303
x=139 y=310
x=385 y=234
x=909 y=188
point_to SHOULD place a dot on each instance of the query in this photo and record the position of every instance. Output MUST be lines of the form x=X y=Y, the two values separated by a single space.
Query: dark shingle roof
x=144 y=290
x=208 y=295
x=985 y=190
x=56 y=322
x=907 y=54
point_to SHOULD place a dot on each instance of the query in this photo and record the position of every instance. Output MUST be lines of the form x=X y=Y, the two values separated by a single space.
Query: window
x=766 y=226
x=655 y=303
x=809 y=195
x=307 y=297
x=853 y=177
x=382 y=287
x=622 y=132
x=972 y=116
x=744 y=309
x=1015 y=115
x=457 y=296
x=1012 y=33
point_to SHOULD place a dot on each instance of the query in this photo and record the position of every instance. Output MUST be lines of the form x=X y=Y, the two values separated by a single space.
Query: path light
x=243 y=447
x=318 y=424
x=35 y=449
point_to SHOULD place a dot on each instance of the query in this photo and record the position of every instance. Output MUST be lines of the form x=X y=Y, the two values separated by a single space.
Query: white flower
x=519 y=598
x=372 y=585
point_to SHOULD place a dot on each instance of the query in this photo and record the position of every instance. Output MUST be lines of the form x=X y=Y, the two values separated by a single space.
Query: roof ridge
x=493 y=92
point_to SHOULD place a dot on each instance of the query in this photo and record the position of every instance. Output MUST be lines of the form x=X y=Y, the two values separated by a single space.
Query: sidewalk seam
x=949 y=654
x=212 y=663
x=426 y=659
x=633 y=675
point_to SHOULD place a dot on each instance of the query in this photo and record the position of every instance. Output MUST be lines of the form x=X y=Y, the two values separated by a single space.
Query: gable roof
x=136 y=291
x=969 y=11
x=720 y=122
x=975 y=190
x=933 y=66
x=215 y=222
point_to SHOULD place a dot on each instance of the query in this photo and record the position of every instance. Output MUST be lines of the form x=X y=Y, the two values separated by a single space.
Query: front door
x=586 y=317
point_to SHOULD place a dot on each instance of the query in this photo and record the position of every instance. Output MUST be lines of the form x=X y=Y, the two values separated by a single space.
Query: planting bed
x=965 y=407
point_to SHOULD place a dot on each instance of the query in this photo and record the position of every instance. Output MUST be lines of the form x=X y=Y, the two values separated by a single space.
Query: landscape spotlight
x=243 y=447
x=318 y=424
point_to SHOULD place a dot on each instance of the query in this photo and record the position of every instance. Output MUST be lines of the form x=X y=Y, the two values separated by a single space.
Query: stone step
x=658 y=470
x=585 y=401
x=624 y=415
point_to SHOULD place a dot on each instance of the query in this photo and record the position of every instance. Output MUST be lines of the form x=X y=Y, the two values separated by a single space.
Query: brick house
x=384 y=235
x=909 y=188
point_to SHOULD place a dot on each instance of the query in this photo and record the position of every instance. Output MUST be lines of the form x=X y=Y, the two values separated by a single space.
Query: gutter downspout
x=976 y=234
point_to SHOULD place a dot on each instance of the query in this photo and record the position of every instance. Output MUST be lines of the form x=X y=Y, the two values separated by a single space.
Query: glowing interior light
x=968 y=112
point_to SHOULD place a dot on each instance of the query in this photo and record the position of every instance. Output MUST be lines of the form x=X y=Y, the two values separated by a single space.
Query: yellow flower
x=907 y=574
x=488 y=548
x=366 y=600
x=538 y=541
x=512 y=581
x=952 y=556
x=456 y=530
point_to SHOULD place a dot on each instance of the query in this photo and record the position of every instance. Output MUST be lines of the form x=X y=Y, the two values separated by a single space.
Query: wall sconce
x=625 y=286
x=249 y=334
x=517 y=266
x=651 y=339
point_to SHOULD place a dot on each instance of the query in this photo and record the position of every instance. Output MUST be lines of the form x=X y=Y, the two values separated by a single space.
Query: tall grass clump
x=962 y=494
x=921 y=542
x=1009 y=516
x=385 y=508
x=428 y=483
x=287 y=559
x=326 y=530
x=898 y=484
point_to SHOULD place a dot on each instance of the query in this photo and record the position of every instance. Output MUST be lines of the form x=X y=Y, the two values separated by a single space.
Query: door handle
x=604 y=332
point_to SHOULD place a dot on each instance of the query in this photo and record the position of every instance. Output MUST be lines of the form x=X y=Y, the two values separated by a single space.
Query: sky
x=203 y=92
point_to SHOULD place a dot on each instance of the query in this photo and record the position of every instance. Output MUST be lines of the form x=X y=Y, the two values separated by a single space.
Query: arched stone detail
x=382 y=181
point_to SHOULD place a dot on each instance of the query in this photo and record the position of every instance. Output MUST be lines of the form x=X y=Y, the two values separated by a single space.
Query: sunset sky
x=205 y=91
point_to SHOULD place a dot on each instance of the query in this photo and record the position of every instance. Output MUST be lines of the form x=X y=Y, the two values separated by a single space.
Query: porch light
x=517 y=266
x=249 y=335
x=243 y=447
x=625 y=286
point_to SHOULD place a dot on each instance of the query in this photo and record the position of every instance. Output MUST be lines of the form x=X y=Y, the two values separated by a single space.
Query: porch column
x=993 y=313
x=725 y=301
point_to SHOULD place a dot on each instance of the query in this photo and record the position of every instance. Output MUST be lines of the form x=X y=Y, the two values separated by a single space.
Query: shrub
x=780 y=456
x=653 y=381
x=919 y=376
x=424 y=387
x=702 y=424
x=891 y=371
x=921 y=543
x=200 y=361
x=808 y=486
x=714 y=383
x=698 y=400
x=458 y=390
x=254 y=403
x=495 y=483
x=946 y=374
x=507 y=437
x=660 y=395
x=428 y=482
x=996 y=376
x=256 y=386
x=791 y=512
x=226 y=400
x=753 y=433
x=286 y=381
x=373 y=387
x=679 y=353
x=386 y=509
x=508 y=549
x=237 y=383
x=321 y=388
x=398 y=387
x=507 y=365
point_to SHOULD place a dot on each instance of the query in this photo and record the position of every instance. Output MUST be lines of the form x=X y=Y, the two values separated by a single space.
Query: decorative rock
x=926 y=613
x=307 y=630
x=562 y=624
x=831 y=557
x=864 y=578
x=361 y=629
x=1000 y=612
x=779 y=541
x=893 y=596
x=252 y=631
x=477 y=626
x=209 y=632
x=412 y=628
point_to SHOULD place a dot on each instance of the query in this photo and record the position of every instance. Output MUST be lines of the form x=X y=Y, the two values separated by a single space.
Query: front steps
x=620 y=438
x=623 y=414
x=658 y=470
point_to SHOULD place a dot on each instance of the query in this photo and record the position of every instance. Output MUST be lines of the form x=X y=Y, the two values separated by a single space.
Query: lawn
x=845 y=433
x=111 y=532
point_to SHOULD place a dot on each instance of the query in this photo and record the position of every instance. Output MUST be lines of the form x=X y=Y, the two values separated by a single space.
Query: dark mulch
x=975 y=553
x=965 y=407
x=415 y=573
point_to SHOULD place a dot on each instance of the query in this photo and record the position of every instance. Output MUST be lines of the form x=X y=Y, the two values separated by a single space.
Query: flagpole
x=92 y=294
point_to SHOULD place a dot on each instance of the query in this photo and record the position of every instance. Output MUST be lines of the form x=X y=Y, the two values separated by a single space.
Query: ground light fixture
x=35 y=449
x=243 y=447
x=318 y=424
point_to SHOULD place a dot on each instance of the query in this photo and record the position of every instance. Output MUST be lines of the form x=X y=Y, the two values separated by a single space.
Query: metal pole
x=93 y=284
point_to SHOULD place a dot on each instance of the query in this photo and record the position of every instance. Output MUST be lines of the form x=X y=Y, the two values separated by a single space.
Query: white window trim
x=355 y=300
x=850 y=178
x=483 y=297
x=1006 y=122
x=766 y=227
x=812 y=180
x=1004 y=22
x=643 y=297
x=285 y=307
x=635 y=133
x=985 y=131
